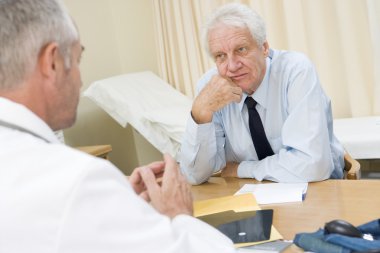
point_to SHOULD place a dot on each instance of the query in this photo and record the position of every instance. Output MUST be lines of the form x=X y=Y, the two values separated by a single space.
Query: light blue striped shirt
x=297 y=119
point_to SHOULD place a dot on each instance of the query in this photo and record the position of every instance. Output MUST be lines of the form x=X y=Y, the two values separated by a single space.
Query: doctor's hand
x=173 y=196
x=218 y=93
x=135 y=179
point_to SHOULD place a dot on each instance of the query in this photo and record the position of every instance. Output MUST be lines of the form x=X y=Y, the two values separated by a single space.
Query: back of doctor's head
x=238 y=15
x=26 y=26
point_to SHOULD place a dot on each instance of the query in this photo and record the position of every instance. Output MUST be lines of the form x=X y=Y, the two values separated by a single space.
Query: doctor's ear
x=49 y=59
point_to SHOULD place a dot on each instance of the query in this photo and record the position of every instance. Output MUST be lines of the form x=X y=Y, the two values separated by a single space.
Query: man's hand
x=230 y=170
x=173 y=196
x=156 y=168
x=218 y=93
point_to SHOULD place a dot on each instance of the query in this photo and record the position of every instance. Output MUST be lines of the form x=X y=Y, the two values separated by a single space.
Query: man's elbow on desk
x=310 y=171
x=272 y=168
x=279 y=168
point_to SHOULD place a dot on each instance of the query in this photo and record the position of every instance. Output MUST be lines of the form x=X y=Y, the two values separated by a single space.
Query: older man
x=261 y=113
x=57 y=199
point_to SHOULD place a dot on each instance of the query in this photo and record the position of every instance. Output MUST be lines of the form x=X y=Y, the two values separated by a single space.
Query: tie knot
x=250 y=102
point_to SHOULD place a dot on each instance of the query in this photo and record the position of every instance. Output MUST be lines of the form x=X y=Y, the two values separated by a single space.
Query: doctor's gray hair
x=238 y=15
x=26 y=27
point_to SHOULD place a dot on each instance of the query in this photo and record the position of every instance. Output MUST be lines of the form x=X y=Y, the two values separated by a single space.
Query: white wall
x=118 y=37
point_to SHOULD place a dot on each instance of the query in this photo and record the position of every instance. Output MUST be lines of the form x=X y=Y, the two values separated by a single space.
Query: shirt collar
x=19 y=115
x=260 y=95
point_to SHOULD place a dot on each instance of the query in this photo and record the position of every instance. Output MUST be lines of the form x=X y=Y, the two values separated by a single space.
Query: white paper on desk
x=275 y=192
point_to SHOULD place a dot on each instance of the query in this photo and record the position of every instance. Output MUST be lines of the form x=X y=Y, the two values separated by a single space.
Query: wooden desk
x=356 y=201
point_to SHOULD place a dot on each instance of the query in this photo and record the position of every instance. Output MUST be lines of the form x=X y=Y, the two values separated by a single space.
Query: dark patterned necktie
x=260 y=141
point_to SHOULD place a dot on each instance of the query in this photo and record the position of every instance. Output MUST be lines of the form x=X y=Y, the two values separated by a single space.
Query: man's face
x=68 y=89
x=237 y=56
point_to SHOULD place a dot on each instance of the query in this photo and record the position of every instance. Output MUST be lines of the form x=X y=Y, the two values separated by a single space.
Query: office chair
x=351 y=168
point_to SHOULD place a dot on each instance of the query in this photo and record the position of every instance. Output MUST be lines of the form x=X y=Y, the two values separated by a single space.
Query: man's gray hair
x=238 y=15
x=26 y=27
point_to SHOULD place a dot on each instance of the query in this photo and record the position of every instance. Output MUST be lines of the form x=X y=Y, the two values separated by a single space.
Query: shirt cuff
x=199 y=132
x=246 y=168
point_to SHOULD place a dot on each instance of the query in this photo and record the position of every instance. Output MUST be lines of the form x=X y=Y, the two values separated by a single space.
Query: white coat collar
x=19 y=115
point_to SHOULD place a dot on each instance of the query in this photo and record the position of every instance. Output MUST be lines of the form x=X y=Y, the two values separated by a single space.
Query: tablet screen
x=242 y=227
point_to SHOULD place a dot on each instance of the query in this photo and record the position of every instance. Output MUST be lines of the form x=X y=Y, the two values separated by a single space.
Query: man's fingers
x=136 y=181
x=168 y=159
x=150 y=182
x=145 y=196
x=237 y=94
x=170 y=164
x=157 y=167
x=236 y=90
x=237 y=98
x=135 y=176
x=231 y=83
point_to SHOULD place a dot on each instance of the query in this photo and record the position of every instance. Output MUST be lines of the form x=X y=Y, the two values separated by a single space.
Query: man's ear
x=49 y=60
x=266 y=48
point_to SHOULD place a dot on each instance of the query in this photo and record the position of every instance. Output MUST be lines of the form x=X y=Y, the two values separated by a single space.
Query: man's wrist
x=201 y=117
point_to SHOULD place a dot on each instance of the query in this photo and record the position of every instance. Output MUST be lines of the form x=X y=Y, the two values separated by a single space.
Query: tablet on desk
x=242 y=227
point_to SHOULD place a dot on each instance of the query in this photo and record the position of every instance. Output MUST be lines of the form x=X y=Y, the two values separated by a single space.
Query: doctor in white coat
x=54 y=198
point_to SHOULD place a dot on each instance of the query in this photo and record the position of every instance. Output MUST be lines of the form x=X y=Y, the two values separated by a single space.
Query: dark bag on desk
x=320 y=242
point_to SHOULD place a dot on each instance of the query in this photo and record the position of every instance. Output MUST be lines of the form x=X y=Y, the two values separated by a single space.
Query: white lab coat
x=56 y=199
